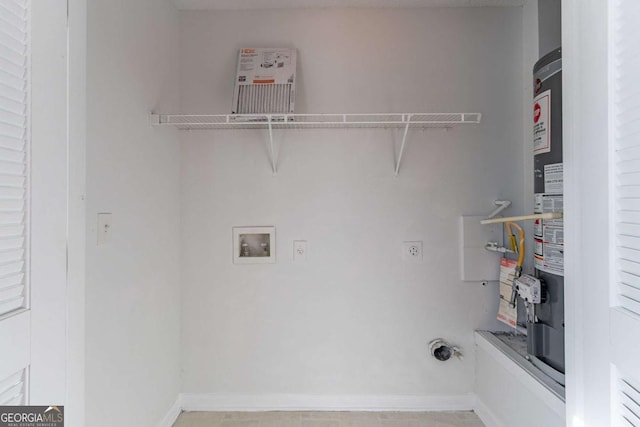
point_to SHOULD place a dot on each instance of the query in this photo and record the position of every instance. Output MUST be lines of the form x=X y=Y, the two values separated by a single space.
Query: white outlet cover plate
x=299 y=251
x=412 y=251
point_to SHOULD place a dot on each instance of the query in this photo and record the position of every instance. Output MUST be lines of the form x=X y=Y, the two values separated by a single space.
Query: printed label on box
x=506 y=313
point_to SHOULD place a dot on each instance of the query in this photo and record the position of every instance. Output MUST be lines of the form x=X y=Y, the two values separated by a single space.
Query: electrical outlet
x=299 y=251
x=412 y=251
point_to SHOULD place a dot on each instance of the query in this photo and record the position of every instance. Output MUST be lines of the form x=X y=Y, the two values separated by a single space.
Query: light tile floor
x=328 y=419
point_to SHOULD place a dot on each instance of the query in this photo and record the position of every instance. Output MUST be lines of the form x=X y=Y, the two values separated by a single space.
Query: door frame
x=587 y=205
x=77 y=225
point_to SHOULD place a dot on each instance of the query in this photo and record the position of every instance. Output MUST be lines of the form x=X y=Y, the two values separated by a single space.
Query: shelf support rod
x=404 y=140
x=546 y=215
x=501 y=205
x=274 y=166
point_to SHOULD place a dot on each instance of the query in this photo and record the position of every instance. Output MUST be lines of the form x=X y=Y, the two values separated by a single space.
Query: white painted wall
x=355 y=319
x=132 y=289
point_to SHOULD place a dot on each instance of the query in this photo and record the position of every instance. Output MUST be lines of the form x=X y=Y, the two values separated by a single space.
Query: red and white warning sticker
x=537 y=228
x=542 y=123
x=538 y=247
x=549 y=235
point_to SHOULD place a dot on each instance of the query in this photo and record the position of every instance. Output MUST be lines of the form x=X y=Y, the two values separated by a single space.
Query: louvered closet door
x=14 y=138
x=625 y=313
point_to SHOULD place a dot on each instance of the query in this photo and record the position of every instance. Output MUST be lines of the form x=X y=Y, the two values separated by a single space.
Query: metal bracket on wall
x=501 y=205
x=274 y=161
x=404 y=141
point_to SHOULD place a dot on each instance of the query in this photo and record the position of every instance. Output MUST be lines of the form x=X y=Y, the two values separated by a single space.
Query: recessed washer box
x=265 y=81
x=254 y=245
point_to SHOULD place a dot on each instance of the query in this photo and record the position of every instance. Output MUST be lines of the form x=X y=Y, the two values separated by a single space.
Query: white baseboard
x=486 y=415
x=172 y=415
x=296 y=402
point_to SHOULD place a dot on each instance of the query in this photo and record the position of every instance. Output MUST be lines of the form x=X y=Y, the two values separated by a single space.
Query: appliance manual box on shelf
x=265 y=81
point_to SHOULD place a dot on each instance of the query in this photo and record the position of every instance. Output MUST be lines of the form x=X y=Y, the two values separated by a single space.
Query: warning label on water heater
x=553 y=178
x=542 y=123
x=549 y=235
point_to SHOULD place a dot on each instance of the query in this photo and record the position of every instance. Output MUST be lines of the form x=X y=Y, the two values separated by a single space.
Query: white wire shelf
x=270 y=122
x=304 y=121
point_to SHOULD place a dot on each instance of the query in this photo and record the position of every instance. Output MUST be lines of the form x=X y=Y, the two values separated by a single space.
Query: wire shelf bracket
x=274 y=161
x=404 y=140
x=271 y=122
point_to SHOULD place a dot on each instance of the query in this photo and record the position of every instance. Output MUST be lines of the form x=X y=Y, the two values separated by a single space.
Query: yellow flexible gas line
x=519 y=247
